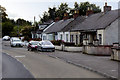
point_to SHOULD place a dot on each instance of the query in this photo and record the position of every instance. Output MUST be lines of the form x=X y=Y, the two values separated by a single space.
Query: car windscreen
x=46 y=43
x=17 y=40
x=34 y=43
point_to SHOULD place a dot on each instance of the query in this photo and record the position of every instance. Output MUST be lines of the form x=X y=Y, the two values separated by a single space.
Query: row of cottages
x=100 y=27
x=60 y=30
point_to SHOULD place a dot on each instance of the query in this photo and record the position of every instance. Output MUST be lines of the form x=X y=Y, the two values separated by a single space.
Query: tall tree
x=63 y=8
x=85 y=5
x=51 y=12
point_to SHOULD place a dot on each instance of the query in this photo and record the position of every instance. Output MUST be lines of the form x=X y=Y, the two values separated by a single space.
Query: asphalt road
x=43 y=66
x=11 y=68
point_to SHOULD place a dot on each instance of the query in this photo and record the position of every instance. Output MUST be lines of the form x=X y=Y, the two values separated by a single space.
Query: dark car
x=32 y=45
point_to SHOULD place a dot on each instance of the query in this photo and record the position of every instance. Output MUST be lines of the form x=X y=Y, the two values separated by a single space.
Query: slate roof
x=73 y=23
x=98 y=21
x=58 y=26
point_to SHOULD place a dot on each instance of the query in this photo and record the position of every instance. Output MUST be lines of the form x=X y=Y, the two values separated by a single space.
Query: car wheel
x=53 y=50
x=37 y=49
x=28 y=49
x=31 y=49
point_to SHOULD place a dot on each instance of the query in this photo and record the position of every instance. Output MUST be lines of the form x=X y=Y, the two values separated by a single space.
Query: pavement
x=100 y=64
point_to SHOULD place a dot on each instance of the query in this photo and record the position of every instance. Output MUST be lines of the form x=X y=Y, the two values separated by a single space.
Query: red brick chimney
x=89 y=11
x=65 y=16
x=107 y=8
x=76 y=14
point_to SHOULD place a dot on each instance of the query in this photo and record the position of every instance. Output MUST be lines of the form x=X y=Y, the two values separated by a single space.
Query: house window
x=100 y=39
x=61 y=37
x=86 y=36
x=44 y=38
x=66 y=37
x=71 y=38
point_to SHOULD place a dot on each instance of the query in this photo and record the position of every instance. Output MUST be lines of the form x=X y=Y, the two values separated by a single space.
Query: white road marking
x=20 y=56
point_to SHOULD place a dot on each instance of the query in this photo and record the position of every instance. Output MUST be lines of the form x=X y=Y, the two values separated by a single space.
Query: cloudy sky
x=27 y=9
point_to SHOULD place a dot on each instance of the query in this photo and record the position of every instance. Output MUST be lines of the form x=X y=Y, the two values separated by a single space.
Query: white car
x=6 y=38
x=16 y=42
x=45 y=46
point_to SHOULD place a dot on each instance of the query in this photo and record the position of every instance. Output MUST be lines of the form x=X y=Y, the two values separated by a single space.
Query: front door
x=81 y=38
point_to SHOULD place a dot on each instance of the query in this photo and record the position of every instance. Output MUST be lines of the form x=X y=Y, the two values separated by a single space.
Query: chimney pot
x=107 y=8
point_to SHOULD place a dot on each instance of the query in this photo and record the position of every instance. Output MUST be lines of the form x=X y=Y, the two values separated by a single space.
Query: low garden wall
x=97 y=50
x=69 y=48
x=116 y=54
x=73 y=49
x=58 y=47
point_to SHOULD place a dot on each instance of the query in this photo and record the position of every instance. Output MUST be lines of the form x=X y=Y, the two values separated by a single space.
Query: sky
x=27 y=9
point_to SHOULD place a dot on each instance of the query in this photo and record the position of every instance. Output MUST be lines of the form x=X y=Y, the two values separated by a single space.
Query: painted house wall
x=75 y=34
x=65 y=36
x=109 y=34
x=49 y=36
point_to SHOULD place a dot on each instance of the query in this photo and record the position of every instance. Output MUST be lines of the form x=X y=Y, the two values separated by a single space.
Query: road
x=43 y=66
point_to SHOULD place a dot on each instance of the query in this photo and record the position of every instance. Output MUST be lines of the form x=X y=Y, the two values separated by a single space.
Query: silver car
x=16 y=42
x=45 y=46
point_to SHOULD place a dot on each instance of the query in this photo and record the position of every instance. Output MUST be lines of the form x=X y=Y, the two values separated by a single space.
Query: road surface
x=43 y=66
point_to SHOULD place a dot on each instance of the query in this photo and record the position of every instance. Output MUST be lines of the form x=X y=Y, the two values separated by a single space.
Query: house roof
x=98 y=21
x=73 y=23
x=58 y=26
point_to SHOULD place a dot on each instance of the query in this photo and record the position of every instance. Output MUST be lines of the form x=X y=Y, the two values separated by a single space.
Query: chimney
x=89 y=11
x=57 y=19
x=107 y=8
x=65 y=16
x=76 y=14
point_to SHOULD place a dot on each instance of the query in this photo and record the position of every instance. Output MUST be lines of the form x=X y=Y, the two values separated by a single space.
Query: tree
x=85 y=5
x=26 y=31
x=63 y=8
x=3 y=13
x=7 y=28
x=51 y=12
x=22 y=22
x=76 y=5
x=45 y=17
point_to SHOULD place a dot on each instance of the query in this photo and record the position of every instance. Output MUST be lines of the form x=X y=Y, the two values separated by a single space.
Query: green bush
x=57 y=42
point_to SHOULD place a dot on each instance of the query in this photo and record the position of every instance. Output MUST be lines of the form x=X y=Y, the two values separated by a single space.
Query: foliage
x=69 y=44
x=3 y=13
x=26 y=31
x=57 y=42
x=22 y=22
x=63 y=8
x=7 y=28
x=59 y=11
x=84 y=5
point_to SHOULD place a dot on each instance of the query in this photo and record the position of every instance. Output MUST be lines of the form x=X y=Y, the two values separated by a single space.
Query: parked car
x=16 y=42
x=6 y=38
x=25 y=43
x=32 y=45
x=45 y=46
